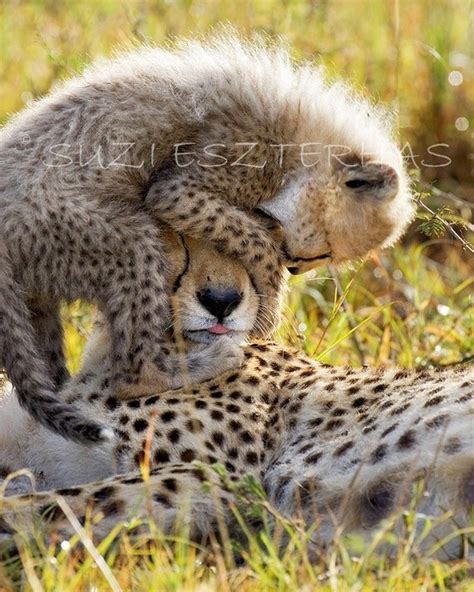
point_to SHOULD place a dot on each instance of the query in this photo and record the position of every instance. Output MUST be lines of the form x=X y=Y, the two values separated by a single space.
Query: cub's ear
x=376 y=180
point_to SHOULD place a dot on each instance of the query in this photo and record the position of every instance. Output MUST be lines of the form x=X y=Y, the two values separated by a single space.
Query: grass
x=410 y=306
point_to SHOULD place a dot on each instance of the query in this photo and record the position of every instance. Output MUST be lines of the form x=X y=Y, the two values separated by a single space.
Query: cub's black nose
x=220 y=303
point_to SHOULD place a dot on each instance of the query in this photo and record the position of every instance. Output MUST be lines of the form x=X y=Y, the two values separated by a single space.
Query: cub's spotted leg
x=138 y=319
x=132 y=293
x=135 y=302
x=28 y=370
x=46 y=321
x=200 y=214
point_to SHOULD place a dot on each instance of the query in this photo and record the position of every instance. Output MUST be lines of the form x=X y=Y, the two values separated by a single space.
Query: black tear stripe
x=177 y=282
x=255 y=288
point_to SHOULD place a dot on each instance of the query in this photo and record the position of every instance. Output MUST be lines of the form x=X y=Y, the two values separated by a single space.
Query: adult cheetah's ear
x=376 y=180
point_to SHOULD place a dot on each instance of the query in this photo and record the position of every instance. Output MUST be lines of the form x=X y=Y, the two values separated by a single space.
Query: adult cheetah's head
x=212 y=294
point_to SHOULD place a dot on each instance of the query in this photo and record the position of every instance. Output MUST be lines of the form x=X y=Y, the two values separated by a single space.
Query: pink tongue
x=218 y=329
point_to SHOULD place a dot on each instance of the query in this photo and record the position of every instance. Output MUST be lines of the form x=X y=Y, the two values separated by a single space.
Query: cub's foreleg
x=200 y=213
x=108 y=253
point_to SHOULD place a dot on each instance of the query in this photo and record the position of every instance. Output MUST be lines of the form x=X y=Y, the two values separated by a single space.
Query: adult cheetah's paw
x=218 y=357
x=197 y=366
x=226 y=354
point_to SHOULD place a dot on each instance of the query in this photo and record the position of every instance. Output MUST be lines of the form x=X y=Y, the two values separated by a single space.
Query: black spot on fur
x=218 y=438
x=378 y=454
x=376 y=504
x=103 y=493
x=161 y=456
x=437 y=422
x=112 y=403
x=171 y=485
x=113 y=508
x=312 y=459
x=252 y=380
x=161 y=498
x=233 y=453
x=389 y=430
x=407 y=440
x=70 y=491
x=174 y=436
x=343 y=449
x=231 y=408
x=333 y=424
x=314 y=423
x=433 y=401
x=246 y=437
x=188 y=455
x=140 y=425
x=167 y=416
x=400 y=409
x=251 y=457
x=132 y=480
x=234 y=425
x=452 y=446
x=194 y=425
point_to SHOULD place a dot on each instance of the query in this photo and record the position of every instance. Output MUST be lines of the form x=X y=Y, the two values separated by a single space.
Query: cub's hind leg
x=46 y=321
x=27 y=369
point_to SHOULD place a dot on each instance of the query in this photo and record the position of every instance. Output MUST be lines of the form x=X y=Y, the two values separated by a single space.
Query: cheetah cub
x=199 y=138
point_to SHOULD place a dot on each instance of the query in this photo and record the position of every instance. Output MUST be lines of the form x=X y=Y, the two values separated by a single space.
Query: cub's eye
x=264 y=214
x=357 y=183
x=271 y=223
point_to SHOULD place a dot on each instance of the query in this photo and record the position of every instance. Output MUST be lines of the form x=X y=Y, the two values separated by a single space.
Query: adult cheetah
x=87 y=171
x=339 y=446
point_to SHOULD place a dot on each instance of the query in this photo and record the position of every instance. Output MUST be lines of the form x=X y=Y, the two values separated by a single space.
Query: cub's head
x=211 y=294
x=339 y=211
x=344 y=187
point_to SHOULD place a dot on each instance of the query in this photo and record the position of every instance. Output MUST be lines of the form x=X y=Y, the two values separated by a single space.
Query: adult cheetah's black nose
x=219 y=303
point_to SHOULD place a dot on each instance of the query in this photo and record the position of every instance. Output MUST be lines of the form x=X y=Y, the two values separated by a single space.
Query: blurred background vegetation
x=409 y=305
